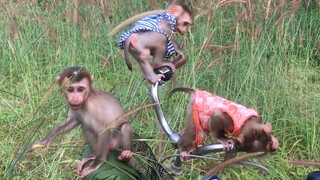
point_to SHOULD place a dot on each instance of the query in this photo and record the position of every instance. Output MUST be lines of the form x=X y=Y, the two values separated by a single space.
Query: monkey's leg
x=101 y=146
x=92 y=140
x=187 y=141
x=89 y=169
x=141 y=54
x=158 y=57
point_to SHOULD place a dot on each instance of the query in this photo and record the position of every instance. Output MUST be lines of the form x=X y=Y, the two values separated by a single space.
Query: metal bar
x=160 y=115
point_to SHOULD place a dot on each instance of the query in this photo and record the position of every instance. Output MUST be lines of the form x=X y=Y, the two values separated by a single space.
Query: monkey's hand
x=125 y=156
x=40 y=144
x=35 y=146
x=155 y=78
x=184 y=154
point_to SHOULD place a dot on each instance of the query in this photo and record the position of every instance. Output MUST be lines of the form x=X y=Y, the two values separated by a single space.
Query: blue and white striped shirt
x=151 y=23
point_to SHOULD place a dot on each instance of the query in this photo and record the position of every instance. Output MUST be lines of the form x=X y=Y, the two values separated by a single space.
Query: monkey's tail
x=231 y=161
x=182 y=89
x=126 y=52
x=133 y=19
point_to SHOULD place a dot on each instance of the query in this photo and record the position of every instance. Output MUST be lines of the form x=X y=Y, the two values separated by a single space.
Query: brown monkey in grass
x=208 y=113
x=94 y=111
x=152 y=35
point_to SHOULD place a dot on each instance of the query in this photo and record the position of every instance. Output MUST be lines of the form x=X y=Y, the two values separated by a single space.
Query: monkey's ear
x=91 y=79
x=267 y=128
x=275 y=143
x=57 y=78
x=174 y=10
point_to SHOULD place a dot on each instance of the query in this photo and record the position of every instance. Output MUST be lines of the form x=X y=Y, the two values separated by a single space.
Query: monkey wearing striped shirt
x=152 y=35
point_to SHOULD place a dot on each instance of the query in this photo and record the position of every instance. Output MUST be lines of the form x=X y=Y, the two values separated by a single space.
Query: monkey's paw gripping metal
x=175 y=166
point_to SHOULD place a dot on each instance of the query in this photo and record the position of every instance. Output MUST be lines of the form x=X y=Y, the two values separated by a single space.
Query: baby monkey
x=93 y=110
x=153 y=35
x=208 y=113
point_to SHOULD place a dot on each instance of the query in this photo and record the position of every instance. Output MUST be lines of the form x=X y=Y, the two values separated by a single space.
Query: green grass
x=273 y=66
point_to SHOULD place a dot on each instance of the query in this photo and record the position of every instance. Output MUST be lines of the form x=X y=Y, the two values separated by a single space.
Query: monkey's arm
x=126 y=136
x=63 y=127
x=180 y=60
x=220 y=123
x=176 y=47
x=217 y=130
x=126 y=142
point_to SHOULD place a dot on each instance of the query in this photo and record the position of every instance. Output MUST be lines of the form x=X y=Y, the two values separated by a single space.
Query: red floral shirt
x=205 y=103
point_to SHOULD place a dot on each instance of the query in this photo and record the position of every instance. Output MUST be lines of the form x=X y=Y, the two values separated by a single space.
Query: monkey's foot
x=88 y=170
x=155 y=78
x=170 y=64
x=227 y=144
x=82 y=162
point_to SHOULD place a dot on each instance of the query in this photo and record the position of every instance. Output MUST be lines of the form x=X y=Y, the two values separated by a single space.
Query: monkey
x=93 y=110
x=153 y=36
x=209 y=113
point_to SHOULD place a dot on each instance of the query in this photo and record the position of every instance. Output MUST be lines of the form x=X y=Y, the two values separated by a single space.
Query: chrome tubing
x=211 y=148
x=160 y=115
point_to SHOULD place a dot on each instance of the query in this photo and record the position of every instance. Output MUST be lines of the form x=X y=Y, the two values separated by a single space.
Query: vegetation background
x=263 y=54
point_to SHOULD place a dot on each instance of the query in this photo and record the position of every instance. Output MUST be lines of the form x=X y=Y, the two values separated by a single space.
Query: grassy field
x=261 y=54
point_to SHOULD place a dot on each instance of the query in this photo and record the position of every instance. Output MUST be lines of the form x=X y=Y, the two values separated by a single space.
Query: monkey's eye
x=80 y=89
x=70 y=89
x=185 y=24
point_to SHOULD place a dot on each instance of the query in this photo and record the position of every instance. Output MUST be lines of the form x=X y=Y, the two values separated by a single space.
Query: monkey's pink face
x=77 y=93
x=183 y=23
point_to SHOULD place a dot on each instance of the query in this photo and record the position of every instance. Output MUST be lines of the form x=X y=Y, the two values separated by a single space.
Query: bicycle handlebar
x=160 y=115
